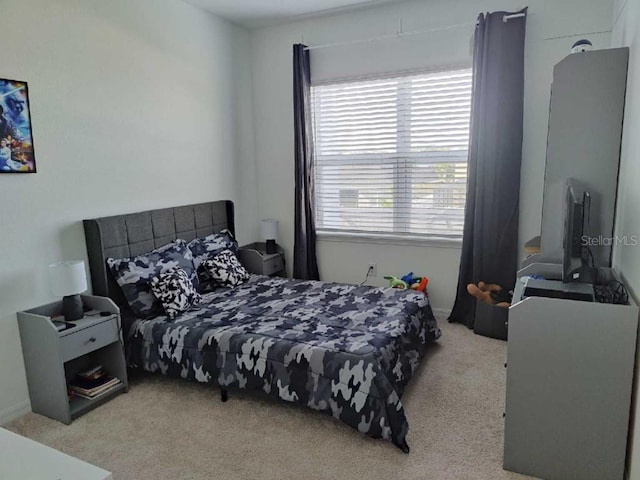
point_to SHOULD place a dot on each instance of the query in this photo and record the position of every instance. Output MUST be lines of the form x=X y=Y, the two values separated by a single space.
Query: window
x=391 y=154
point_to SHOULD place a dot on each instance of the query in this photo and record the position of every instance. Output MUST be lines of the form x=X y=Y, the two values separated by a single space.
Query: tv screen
x=576 y=211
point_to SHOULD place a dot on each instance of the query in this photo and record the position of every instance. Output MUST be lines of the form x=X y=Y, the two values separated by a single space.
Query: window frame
x=406 y=157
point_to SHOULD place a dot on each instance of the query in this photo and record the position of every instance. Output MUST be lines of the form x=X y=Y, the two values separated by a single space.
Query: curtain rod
x=506 y=18
x=401 y=33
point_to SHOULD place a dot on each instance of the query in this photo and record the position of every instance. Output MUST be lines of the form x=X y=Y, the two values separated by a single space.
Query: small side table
x=255 y=259
x=52 y=358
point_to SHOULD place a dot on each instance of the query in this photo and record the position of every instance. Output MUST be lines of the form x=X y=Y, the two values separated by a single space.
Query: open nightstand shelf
x=52 y=358
x=80 y=405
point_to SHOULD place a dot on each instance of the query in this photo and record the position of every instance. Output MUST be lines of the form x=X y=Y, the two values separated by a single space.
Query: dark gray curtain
x=490 y=238
x=305 y=264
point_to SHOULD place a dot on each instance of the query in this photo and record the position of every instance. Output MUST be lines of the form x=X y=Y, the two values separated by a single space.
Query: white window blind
x=391 y=154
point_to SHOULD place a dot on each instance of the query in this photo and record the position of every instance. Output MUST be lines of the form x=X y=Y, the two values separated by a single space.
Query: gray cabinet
x=52 y=358
x=584 y=137
x=569 y=385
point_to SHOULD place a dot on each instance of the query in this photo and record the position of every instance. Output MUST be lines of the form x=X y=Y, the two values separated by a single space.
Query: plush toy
x=408 y=281
x=395 y=282
x=415 y=283
x=490 y=293
x=421 y=286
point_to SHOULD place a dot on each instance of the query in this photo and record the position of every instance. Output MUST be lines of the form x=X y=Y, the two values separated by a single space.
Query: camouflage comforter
x=341 y=349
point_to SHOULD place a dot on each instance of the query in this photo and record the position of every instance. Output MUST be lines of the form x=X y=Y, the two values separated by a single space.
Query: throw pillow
x=175 y=291
x=226 y=270
x=205 y=249
x=208 y=247
x=133 y=274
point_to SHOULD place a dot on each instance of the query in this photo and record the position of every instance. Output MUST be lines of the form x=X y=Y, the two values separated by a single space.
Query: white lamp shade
x=67 y=278
x=269 y=229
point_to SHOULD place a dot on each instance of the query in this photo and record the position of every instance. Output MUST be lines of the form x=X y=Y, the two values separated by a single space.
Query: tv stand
x=569 y=383
x=582 y=292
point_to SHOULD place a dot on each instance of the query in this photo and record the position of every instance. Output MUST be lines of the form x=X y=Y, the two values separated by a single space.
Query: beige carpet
x=172 y=429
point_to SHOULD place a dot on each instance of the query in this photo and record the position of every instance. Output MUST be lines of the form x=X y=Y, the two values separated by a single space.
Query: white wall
x=135 y=105
x=272 y=74
x=626 y=259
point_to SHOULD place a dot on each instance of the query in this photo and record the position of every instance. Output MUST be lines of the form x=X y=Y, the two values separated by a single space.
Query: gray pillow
x=134 y=275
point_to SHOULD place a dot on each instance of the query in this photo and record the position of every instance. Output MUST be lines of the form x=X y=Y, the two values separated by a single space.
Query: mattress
x=341 y=349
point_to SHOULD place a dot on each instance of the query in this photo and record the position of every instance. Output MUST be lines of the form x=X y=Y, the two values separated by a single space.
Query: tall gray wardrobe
x=585 y=131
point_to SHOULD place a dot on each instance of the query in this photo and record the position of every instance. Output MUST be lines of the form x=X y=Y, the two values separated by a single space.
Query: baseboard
x=441 y=313
x=11 y=413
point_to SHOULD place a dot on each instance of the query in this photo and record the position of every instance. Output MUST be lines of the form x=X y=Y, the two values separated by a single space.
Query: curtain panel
x=490 y=233
x=305 y=263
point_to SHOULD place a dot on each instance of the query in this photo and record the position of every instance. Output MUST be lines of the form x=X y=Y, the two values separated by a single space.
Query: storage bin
x=491 y=321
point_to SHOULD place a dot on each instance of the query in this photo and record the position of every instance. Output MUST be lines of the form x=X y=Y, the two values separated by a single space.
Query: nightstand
x=255 y=259
x=52 y=358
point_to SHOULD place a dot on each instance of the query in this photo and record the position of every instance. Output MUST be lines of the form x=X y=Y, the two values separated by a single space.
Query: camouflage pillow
x=226 y=270
x=175 y=291
x=205 y=249
x=208 y=247
x=134 y=275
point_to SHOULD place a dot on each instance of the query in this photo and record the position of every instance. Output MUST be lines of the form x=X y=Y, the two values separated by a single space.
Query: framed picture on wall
x=16 y=139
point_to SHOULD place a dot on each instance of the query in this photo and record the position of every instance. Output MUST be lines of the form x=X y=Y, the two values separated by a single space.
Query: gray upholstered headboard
x=136 y=233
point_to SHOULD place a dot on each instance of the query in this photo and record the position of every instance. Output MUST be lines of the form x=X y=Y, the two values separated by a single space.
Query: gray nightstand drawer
x=89 y=339
x=273 y=265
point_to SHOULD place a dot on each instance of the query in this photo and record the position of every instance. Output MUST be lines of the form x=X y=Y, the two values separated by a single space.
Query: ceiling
x=260 y=13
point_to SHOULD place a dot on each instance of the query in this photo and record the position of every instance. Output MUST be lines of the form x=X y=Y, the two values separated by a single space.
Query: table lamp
x=68 y=280
x=269 y=231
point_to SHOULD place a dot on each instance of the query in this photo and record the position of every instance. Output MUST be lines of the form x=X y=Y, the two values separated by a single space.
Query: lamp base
x=72 y=308
x=272 y=246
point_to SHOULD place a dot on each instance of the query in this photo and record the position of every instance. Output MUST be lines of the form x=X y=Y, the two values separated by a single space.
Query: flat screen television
x=575 y=264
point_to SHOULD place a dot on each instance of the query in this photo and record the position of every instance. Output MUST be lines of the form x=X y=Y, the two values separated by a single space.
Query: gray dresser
x=569 y=384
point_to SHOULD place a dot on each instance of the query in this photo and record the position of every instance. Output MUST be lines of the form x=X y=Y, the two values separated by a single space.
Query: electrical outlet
x=372 y=271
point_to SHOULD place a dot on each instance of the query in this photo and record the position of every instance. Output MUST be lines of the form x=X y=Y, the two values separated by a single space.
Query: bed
x=345 y=350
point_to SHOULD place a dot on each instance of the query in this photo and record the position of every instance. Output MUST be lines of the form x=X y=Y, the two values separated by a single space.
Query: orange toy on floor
x=482 y=292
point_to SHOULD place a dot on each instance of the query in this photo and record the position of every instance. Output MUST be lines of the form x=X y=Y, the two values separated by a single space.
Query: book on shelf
x=93 y=382
x=92 y=372
x=90 y=378
x=95 y=390
x=97 y=393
